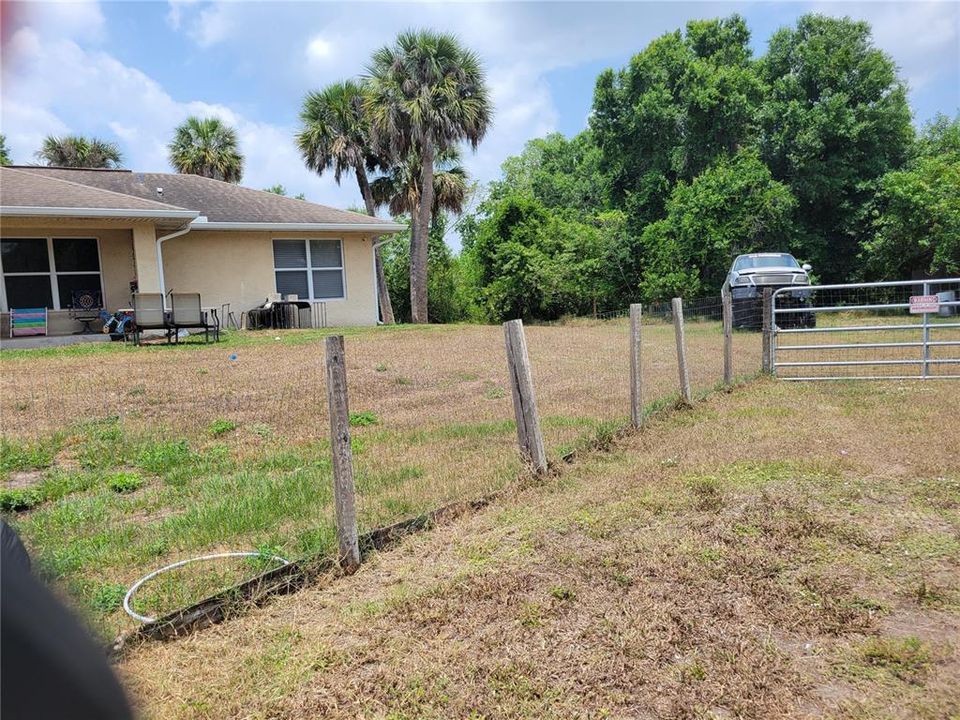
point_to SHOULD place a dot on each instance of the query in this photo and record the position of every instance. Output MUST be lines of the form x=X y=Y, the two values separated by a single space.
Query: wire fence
x=118 y=460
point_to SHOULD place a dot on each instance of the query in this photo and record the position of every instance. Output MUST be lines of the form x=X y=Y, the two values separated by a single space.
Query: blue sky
x=129 y=72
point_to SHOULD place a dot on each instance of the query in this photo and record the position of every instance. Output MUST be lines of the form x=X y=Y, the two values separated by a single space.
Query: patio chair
x=148 y=314
x=187 y=314
x=85 y=307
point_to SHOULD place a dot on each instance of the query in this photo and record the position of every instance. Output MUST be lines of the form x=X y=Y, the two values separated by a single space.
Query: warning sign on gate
x=924 y=304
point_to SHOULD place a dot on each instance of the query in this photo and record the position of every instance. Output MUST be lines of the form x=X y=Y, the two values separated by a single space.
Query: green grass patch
x=18 y=455
x=108 y=597
x=159 y=457
x=221 y=427
x=124 y=482
x=363 y=418
x=906 y=658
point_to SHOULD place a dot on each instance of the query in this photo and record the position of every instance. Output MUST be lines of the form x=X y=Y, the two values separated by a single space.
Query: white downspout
x=376 y=280
x=160 y=240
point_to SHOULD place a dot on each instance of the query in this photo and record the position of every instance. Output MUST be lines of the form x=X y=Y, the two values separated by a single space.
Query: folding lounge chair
x=28 y=321
x=186 y=314
x=148 y=314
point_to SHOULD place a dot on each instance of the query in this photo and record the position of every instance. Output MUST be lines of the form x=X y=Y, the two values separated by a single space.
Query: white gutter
x=26 y=211
x=160 y=240
x=376 y=280
x=372 y=228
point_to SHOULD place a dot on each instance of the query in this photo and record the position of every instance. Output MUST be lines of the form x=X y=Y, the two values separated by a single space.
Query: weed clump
x=363 y=418
x=221 y=427
x=124 y=482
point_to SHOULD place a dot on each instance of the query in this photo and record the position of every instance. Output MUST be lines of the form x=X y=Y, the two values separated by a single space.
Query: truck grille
x=779 y=279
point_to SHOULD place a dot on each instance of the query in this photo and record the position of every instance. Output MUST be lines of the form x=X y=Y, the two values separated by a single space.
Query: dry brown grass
x=783 y=551
x=443 y=432
x=413 y=378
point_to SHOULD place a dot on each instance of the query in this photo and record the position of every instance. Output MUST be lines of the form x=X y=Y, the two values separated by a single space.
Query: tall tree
x=834 y=121
x=427 y=93
x=680 y=103
x=335 y=134
x=399 y=187
x=917 y=210
x=76 y=151
x=207 y=147
x=4 y=151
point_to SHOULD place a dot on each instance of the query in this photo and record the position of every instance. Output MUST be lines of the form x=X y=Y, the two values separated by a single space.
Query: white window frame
x=310 y=268
x=52 y=272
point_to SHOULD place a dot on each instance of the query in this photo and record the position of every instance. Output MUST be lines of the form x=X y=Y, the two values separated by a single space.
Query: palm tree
x=76 y=151
x=399 y=187
x=426 y=93
x=335 y=134
x=207 y=147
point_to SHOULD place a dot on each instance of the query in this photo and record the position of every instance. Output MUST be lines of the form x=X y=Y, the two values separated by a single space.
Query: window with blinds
x=309 y=269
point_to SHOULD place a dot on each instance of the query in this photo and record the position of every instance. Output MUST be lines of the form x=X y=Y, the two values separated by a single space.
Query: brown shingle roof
x=218 y=201
x=23 y=189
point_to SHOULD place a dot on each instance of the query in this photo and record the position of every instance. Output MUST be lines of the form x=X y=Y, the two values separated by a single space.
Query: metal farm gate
x=868 y=331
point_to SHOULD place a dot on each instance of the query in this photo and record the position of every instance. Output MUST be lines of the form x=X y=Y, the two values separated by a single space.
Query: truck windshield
x=746 y=262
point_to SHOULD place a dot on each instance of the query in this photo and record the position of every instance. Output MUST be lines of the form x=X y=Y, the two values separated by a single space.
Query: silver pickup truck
x=751 y=273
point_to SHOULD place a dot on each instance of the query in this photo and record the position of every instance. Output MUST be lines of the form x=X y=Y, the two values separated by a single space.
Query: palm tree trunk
x=418 y=252
x=383 y=292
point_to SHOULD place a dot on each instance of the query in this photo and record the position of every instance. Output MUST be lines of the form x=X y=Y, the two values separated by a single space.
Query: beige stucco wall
x=223 y=266
x=117 y=267
x=237 y=268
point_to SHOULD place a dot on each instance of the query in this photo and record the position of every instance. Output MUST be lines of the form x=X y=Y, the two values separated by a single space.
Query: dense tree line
x=696 y=151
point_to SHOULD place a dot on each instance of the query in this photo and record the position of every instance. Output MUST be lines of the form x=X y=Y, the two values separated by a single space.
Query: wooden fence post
x=767 y=362
x=344 y=494
x=681 y=351
x=636 y=379
x=524 y=400
x=727 y=303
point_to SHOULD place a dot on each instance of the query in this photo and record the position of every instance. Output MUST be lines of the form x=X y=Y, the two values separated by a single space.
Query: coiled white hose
x=181 y=563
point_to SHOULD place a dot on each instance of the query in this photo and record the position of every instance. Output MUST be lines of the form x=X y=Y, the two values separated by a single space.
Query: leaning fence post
x=524 y=400
x=767 y=363
x=344 y=494
x=727 y=304
x=636 y=387
x=681 y=351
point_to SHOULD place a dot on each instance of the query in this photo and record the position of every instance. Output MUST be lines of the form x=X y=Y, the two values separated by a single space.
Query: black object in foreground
x=51 y=667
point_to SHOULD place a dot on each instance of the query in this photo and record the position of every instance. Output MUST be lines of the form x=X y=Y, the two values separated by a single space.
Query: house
x=116 y=231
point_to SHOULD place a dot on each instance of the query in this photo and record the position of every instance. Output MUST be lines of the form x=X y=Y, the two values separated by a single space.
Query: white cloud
x=116 y=100
x=212 y=26
x=319 y=49
x=922 y=37
x=175 y=12
x=80 y=19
